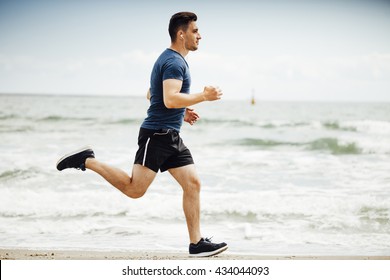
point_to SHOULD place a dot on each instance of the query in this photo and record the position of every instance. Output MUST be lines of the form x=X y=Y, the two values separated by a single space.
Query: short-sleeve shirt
x=169 y=65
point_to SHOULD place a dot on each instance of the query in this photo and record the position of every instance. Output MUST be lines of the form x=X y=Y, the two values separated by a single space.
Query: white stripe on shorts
x=146 y=150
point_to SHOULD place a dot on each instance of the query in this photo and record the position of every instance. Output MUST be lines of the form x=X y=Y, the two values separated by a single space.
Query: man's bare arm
x=148 y=94
x=174 y=99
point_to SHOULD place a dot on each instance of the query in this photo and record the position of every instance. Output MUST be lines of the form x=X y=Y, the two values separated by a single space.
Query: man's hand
x=191 y=116
x=212 y=93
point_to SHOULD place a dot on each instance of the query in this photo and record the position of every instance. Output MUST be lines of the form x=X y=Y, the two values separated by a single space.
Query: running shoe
x=75 y=159
x=205 y=248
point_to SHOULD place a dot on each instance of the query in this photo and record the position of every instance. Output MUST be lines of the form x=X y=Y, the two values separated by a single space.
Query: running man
x=160 y=145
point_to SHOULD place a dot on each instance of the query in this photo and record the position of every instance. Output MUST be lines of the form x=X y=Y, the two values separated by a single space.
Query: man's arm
x=148 y=94
x=174 y=99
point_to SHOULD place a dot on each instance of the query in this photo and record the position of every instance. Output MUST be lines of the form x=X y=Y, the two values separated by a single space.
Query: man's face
x=192 y=37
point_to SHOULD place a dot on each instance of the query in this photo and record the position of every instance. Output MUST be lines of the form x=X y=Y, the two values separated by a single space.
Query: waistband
x=159 y=131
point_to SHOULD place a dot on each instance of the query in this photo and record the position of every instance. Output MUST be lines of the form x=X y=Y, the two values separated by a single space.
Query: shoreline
x=39 y=254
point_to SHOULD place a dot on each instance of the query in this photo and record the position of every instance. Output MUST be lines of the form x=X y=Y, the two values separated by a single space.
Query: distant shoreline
x=71 y=95
x=225 y=98
x=27 y=254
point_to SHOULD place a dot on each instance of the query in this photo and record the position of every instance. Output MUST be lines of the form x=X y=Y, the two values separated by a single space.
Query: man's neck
x=179 y=47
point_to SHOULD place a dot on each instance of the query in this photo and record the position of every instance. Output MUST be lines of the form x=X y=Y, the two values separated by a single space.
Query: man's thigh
x=186 y=175
x=142 y=176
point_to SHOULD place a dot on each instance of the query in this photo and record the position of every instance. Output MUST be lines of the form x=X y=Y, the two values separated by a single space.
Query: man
x=160 y=145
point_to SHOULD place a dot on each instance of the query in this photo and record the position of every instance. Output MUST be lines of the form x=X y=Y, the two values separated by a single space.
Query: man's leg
x=188 y=179
x=134 y=186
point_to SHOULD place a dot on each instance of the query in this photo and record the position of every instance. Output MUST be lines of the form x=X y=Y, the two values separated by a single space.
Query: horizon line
x=116 y=95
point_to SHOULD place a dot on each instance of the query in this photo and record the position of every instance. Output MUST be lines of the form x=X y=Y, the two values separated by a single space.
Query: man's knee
x=135 y=191
x=194 y=184
x=135 y=194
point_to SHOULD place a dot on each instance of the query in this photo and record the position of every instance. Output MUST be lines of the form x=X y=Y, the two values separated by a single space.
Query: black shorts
x=161 y=150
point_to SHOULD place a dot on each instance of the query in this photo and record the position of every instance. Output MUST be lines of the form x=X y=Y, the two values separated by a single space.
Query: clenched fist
x=211 y=93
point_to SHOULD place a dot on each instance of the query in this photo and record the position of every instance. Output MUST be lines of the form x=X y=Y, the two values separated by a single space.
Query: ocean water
x=290 y=178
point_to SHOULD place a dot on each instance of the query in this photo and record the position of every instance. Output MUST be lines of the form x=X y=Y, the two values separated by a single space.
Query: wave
x=9 y=117
x=50 y=118
x=335 y=147
x=235 y=215
x=332 y=145
x=359 y=126
x=232 y=122
x=265 y=143
x=10 y=174
x=10 y=129
x=56 y=118
x=380 y=215
x=18 y=174
x=54 y=216
x=115 y=230
x=335 y=125
x=125 y=121
x=364 y=216
x=248 y=123
x=250 y=213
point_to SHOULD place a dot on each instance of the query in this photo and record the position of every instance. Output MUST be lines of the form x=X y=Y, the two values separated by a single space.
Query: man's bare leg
x=136 y=185
x=188 y=179
x=133 y=186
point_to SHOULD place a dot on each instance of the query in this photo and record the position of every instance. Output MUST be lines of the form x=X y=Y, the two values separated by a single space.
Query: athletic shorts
x=161 y=150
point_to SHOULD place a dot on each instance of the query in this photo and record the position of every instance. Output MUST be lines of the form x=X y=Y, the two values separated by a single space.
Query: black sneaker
x=205 y=248
x=75 y=159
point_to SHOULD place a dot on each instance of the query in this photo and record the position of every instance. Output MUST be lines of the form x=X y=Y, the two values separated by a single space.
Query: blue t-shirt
x=169 y=65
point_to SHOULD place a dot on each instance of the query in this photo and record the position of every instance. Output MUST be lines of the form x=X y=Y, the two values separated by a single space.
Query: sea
x=278 y=178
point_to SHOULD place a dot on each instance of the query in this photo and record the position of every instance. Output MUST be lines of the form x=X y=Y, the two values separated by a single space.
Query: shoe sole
x=209 y=254
x=72 y=154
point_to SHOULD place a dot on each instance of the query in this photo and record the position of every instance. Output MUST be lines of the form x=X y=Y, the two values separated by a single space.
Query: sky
x=279 y=50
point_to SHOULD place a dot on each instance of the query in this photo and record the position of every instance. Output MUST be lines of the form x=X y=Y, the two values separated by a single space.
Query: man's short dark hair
x=180 y=21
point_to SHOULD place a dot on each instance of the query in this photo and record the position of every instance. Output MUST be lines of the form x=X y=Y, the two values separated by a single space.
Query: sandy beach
x=24 y=254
